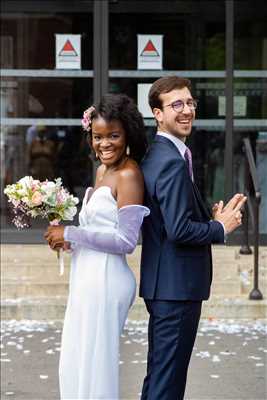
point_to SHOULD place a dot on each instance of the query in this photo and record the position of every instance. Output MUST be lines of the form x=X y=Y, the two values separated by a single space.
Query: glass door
x=42 y=106
x=193 y=46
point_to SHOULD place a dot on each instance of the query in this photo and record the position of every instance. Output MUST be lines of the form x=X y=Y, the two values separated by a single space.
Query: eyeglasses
x=178 y=105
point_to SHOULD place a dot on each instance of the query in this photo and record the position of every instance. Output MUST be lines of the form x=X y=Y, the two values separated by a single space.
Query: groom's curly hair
x=122 y=108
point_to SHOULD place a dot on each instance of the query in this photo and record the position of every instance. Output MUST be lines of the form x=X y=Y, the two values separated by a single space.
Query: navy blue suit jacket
x=176 y=259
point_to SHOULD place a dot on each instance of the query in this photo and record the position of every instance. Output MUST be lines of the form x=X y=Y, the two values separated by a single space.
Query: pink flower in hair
x=86 y=121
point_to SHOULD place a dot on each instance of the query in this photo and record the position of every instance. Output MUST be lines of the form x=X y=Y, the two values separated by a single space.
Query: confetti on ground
x=203 y=354
x=214 y=335
x=254 y=358
x=43 y=376
x=50 y=351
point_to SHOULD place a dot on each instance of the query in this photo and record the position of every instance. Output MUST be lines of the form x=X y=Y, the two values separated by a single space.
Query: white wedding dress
x=102 y=289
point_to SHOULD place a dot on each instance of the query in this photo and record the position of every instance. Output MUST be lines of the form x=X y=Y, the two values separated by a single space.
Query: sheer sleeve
x=121 y=239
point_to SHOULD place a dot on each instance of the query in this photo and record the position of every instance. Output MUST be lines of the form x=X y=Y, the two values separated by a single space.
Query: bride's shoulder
x=130 y=177
x=130 y=170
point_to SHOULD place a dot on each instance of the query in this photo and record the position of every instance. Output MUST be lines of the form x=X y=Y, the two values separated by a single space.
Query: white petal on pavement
x=203 y=354
x=43 y=376
x=254 y=358
x=50 y=351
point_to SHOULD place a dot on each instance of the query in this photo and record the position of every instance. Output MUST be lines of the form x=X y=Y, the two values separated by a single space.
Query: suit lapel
x=169 y=143
x=205 y=211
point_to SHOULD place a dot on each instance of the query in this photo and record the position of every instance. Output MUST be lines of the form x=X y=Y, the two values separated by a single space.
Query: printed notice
x=68 y=51
x=142 y=99
x=149 y=52
x=240 y=106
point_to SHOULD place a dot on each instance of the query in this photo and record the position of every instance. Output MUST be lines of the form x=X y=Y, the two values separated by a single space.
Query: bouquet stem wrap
x=55 y=222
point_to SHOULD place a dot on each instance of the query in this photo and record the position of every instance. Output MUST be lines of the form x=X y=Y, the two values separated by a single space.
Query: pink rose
x=37 y=199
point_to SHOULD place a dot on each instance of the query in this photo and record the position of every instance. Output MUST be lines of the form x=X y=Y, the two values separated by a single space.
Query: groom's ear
x=158 y=114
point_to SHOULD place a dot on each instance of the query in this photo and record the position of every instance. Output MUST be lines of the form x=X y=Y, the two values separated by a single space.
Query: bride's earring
x=96 y=155
x=127 y=150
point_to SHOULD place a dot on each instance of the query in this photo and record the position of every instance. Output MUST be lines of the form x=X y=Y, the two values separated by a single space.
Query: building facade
x=221 y=46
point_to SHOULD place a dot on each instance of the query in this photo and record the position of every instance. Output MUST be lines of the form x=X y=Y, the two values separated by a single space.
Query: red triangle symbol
x=150 y=46
x=149 y=50
x=68 y=46
x=68 y=49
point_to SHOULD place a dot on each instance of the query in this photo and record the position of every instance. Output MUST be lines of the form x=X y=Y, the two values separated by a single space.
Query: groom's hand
x=231 y=203
x=230 y=215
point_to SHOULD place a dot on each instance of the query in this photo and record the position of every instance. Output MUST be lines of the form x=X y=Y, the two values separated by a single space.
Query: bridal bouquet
x=49 y=200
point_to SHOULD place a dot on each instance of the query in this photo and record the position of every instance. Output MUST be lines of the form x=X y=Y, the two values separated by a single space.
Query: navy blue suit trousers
x=171 y=333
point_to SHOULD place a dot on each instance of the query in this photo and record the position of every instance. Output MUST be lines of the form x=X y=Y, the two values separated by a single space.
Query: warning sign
x=149 y=51
x=68 y=51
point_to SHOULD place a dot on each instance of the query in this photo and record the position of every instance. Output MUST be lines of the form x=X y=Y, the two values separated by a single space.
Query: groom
x=176 y=266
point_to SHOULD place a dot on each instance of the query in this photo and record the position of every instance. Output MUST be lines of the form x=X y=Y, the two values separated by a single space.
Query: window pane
x=192 y=37
x=45 y=152
x=250 y=34
x=45 y=97
x=28 y=40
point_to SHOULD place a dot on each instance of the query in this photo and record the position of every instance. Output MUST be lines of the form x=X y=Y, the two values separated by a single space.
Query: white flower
x=75 y=200
x=26 y=182
x=69 y=213
x=34 y=213
x=26 y=200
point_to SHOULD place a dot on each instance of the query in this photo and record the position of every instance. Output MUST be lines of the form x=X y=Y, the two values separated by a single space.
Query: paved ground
x=229 y=361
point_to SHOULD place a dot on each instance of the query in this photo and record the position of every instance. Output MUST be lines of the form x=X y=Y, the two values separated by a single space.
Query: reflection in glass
x=45 y=152
x=29 y=39
x=192 y=37
x=250 y=35
x=45 y=97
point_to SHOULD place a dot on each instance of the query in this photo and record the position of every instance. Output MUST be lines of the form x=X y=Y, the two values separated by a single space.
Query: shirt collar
x=177 y=142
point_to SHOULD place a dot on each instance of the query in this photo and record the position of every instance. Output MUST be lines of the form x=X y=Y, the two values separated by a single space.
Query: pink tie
x=188 y=159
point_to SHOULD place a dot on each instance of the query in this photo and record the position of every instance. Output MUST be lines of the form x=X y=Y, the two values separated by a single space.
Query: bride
x=102 y=286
